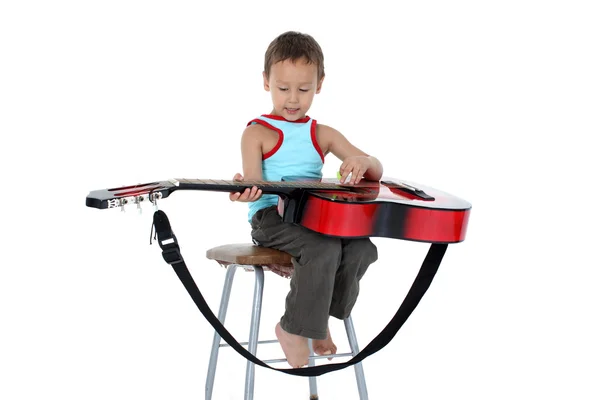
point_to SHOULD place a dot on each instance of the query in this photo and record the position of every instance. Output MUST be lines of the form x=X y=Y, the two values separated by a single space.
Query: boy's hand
x=248 y=194
x=358 y=165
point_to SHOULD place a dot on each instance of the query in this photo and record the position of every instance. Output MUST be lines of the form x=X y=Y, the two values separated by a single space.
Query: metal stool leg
x=254 y=325
x=312 y=380
x=214 y=353
x=358 y=369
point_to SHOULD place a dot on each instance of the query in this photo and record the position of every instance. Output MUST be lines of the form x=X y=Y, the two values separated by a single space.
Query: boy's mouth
x=292 y=110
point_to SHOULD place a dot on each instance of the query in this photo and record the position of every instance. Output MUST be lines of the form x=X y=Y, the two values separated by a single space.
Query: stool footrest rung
x=277 y=360
x=246 y=343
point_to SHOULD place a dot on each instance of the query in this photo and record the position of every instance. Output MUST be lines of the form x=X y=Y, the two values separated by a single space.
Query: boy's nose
x=293 y=97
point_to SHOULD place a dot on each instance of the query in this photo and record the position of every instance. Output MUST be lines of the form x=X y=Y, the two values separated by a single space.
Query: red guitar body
x=378 y=209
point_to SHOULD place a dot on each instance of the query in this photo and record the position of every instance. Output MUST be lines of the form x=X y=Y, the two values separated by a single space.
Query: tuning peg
x=154 y=200
x=138 y=201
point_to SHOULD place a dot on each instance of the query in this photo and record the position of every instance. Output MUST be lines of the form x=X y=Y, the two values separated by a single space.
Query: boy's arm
x=252 y=152
x=353 y=159
x=251 y=164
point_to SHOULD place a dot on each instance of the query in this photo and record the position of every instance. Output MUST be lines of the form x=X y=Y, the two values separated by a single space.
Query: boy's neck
x=273 y=113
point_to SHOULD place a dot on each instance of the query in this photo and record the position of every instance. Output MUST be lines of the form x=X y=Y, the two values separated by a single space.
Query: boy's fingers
x=356 y=175
x=360 y=171
x=247 y=195
x=349 y=169
x=345 y=174
x=238 y=177
x=239 y=196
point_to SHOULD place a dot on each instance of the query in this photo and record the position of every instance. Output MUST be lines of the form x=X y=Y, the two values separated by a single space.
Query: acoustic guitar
x=389 y=208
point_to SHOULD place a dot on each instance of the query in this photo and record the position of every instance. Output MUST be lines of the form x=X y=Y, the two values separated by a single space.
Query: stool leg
x=214 y=353
x=254 y=325
x=358 y=369
x=312 y=380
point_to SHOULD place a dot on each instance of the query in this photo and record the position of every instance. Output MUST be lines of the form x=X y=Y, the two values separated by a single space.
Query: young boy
x=286 y=142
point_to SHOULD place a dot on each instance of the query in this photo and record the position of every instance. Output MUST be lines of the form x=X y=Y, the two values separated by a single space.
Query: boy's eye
x=286 y=89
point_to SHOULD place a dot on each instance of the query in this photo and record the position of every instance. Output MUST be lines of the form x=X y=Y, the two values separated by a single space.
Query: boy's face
x=293 y=87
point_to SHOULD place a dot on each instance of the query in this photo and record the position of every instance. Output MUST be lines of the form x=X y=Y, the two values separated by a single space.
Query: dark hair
x=295 y=46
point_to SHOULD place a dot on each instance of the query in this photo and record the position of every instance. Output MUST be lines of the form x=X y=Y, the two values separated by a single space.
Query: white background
x=495 y=102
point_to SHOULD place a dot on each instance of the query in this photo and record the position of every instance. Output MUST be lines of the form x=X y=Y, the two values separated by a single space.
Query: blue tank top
x=296 y=154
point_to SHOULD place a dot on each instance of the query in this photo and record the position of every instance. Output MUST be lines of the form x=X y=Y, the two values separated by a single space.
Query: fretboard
x=265 y=186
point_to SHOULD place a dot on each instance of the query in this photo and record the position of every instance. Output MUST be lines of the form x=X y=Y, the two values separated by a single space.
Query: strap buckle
x=172 y=255
x=166 y=239
x=171 y=252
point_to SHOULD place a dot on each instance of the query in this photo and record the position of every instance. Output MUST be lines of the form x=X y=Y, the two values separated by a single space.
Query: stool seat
x=248 y=254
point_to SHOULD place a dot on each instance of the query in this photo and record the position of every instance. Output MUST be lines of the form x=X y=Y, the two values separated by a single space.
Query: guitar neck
x=120 y=196
x=268 y=187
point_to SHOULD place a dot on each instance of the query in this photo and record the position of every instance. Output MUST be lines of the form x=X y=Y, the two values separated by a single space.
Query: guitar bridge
x=407 y=189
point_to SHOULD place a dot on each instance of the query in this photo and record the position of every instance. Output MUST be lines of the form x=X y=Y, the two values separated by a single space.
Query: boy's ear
x=266 y=82
x=319 y=85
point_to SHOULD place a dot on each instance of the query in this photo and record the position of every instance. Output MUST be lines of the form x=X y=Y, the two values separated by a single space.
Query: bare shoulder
x=335 y=142
x=326 y=130
x=327 y=137
x=261 y=137
x=256 y=135
x=255 y=131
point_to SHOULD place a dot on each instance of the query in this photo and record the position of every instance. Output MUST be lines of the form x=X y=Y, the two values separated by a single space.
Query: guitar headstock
x=135 y=194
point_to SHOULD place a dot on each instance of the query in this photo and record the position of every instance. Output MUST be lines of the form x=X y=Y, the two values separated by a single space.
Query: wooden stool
x=258 y=259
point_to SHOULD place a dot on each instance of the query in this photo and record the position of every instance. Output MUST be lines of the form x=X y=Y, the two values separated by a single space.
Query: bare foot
x=324 y=347
x=294 y=347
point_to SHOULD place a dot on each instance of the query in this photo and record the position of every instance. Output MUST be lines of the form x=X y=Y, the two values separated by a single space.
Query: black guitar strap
x=172 y=255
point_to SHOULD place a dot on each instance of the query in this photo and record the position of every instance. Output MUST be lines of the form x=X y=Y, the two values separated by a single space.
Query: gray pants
x=326 y=273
